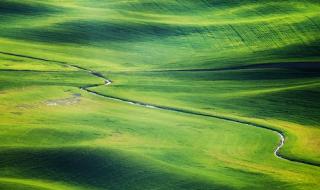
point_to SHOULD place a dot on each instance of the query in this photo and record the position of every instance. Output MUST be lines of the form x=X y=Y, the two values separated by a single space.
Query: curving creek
x=167 y=108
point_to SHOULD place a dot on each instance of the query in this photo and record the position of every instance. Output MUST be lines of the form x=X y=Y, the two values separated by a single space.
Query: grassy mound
x=254 y=61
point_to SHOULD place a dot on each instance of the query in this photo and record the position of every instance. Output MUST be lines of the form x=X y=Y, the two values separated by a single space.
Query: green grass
x=282 y=98
x=250 y=61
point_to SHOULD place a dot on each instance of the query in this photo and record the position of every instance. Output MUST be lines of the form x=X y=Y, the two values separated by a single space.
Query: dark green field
x=159 y=95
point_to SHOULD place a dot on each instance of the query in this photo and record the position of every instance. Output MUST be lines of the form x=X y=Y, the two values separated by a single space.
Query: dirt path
x=180 y=110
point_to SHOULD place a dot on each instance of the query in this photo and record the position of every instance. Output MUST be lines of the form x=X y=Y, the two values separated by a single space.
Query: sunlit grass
x=261 y=60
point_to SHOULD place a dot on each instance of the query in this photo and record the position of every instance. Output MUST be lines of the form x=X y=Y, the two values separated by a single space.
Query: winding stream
x=153 y=106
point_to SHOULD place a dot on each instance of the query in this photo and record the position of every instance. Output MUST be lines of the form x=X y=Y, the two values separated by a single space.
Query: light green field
x=225 y=77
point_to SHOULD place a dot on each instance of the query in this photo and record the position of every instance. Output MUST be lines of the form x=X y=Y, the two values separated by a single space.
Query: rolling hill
x=159 y=94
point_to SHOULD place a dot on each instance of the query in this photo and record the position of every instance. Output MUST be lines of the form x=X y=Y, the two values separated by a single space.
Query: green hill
x=200 y=92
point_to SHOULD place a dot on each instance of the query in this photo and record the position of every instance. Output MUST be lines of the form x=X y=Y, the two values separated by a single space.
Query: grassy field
x=230 y=75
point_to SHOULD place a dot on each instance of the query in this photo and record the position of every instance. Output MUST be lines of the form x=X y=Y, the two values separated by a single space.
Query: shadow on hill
x=264 y=71
x=96 y=168
x=302 y=51
x=96 y=31
x=16 y=186
x=178 y=7
x=28 y=9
